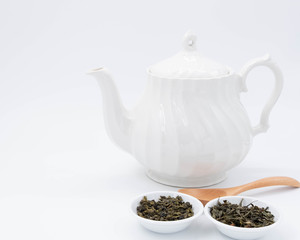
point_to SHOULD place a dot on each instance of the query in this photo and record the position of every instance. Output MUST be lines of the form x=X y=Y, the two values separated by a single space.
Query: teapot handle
x=264 y=61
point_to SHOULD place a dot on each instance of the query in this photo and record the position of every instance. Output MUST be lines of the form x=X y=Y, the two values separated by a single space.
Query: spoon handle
x=266 y=182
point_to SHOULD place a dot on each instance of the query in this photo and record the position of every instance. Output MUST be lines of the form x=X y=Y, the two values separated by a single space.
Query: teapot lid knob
x=189 y=41
x=188 y=63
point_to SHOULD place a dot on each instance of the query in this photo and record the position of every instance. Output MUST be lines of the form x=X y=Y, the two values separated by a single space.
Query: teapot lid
x=188 y=63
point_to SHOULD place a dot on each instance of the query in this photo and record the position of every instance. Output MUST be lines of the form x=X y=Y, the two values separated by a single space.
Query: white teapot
x=189 y=127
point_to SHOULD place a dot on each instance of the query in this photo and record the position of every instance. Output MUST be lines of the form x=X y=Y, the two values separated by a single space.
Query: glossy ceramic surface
x=189 y=127
x=190 y=131
x=188 y=63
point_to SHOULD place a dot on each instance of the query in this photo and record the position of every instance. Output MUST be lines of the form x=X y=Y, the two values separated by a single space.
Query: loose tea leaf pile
x=249 y=216
x=165 y=209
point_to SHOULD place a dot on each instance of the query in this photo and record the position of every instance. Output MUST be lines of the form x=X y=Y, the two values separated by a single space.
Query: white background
x=60 y=176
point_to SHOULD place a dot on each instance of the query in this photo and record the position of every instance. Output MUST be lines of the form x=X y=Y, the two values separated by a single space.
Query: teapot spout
x=116 y=117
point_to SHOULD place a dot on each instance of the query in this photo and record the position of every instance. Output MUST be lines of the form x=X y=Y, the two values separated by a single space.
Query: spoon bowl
x=205 y=195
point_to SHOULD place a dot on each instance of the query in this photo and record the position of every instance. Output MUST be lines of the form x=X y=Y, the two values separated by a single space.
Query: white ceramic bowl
x=167 y=226
x=240 y=232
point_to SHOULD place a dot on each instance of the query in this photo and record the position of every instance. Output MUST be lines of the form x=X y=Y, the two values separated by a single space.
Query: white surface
x=188 y=63
x=240 y=232
x=57 y=166
x=185 y=132
x=265 y=61
x=167 y=226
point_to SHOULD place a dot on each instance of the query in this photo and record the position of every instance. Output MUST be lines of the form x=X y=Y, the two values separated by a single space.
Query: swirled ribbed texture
x=189 y=129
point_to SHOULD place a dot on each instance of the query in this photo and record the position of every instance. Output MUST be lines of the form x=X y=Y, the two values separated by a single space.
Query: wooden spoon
x=205 y=195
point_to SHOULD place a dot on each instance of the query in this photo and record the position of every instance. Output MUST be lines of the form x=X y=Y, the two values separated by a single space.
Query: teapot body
x=189 y=127
x=189 y=132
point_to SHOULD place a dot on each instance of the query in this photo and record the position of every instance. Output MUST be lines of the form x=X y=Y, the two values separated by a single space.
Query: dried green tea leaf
x=165 y=209
x=249 y=216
